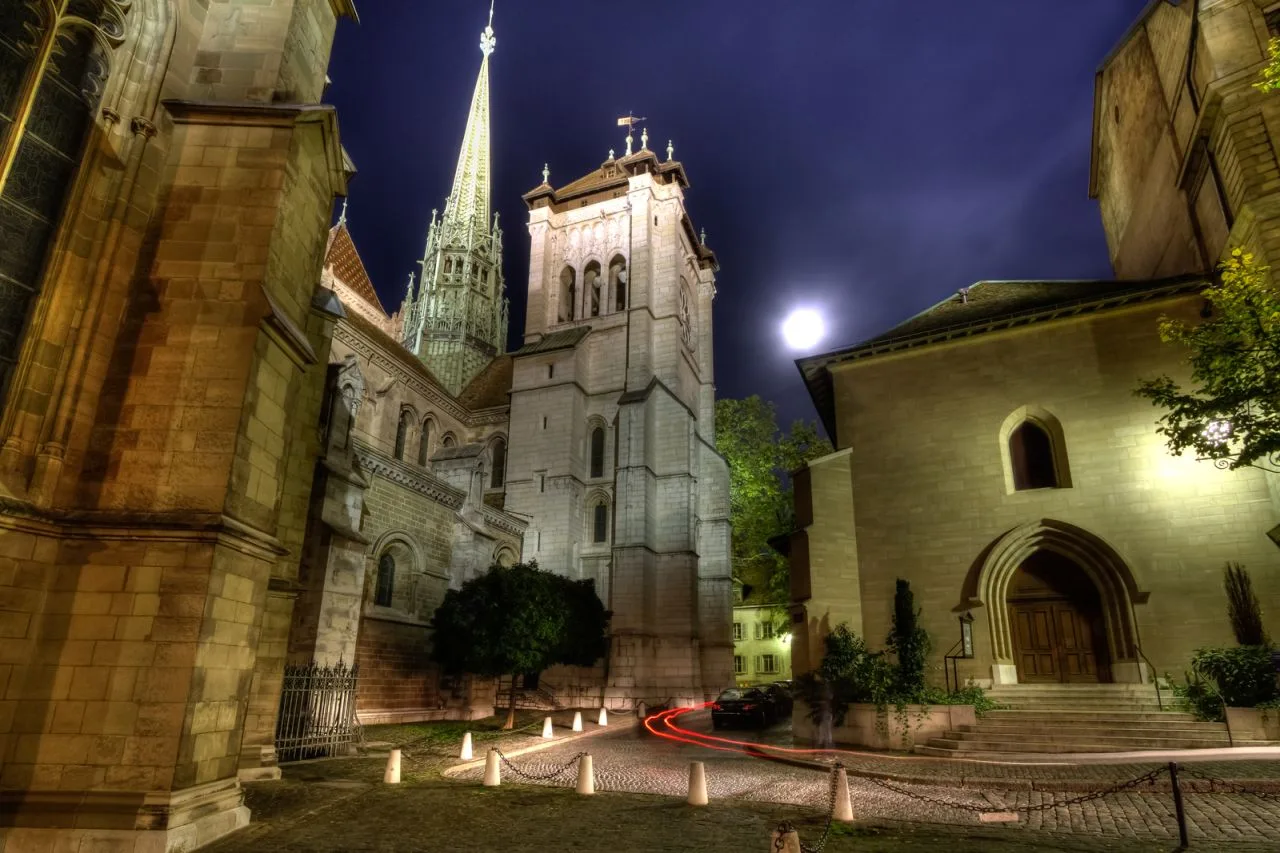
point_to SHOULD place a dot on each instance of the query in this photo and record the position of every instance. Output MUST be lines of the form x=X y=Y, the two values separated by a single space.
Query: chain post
x=1177 y=805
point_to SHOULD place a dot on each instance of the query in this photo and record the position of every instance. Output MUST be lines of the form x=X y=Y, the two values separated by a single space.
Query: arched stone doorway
x=1055 y=615
x=998 y=578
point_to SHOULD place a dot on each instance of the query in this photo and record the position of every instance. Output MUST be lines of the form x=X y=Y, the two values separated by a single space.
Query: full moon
x=803 y=328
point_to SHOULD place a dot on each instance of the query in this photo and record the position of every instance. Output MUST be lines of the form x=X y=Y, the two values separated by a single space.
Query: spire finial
x=342 y=217
x=487 y=41
x=671 y=150
x=644 y=139
x=610 y=153
x=703 y=237
x=546 y=172
x=628 y=142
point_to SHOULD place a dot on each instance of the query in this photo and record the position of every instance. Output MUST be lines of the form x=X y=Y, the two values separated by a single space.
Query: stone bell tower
x=612 y=421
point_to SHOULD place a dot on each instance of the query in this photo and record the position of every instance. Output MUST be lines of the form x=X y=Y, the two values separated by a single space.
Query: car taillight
x=716 y=707
x=747 y=707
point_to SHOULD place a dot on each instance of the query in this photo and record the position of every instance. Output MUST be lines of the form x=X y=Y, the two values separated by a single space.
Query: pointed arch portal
x=1009 y=573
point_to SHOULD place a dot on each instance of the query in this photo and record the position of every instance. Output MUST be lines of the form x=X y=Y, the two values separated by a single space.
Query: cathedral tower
x=612 y=422
x=457 y=321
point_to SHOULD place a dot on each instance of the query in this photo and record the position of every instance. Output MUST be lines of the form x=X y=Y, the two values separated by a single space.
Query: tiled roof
x=491 y=387
x=393 y=348
x=563 y=339
x=985 y=307
x=347 y=266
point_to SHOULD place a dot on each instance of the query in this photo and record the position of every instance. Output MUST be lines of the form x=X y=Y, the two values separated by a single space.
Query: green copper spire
x=458 y=321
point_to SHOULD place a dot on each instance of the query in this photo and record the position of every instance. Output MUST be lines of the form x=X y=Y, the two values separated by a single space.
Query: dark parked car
x=754 y=706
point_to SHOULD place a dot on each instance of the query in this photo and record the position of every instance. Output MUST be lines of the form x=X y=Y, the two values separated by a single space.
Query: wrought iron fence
x=317 y=711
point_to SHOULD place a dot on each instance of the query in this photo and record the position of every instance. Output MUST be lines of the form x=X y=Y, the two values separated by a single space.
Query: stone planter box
x=868 y=727
x=1253 y=725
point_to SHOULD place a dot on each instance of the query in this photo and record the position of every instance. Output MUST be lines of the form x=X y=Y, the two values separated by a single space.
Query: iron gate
x=317 y=711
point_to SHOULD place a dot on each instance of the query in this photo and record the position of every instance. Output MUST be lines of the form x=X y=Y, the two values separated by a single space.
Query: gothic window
x=424 y=444
x=448 y=266
x=1031 y=456
x=618 y=281
x=568 y=293
x=600 y=523
x=592 y=281
x=402 y=432
x=54 y=61
x=386 y=581
x=448 y=440
x=498 y=476
x=597 y=452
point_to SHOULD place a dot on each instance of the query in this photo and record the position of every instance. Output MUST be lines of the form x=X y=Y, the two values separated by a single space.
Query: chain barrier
x=1230 y=787
x=1029 y=809
x=539 y=777
x=787 y=826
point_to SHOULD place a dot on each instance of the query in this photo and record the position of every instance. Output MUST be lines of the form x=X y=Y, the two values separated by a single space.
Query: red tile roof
x=348 y=267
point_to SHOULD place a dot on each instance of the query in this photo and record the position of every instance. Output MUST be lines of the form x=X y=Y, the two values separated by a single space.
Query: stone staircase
x=1044 y=719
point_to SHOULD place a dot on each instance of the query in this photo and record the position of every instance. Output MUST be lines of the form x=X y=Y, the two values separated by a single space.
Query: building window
x=618 y=281
x=402 y=432
x=499 y=475
x=597 y=452
x=600 y=523
x=764 y=630
x=591 y=286
x=767 y=664
x=1031 y=456
x=542 y=482
x=739 y=665
x=568 y=294
x=448 y=440
x=737 y=630
x=551 y=371
x=386 y=585
x=424 y=444
x=1273 y=23
x=52 y=106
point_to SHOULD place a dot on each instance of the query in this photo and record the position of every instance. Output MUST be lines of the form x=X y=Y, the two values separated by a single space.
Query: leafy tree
x=760 y=458
x=1243 y=607
x=1232 y=412
x=1270 y=73
x=907 y=640
x=518 y=620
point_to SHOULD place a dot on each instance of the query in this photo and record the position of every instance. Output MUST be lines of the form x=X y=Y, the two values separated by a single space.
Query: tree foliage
x=1270 y=73
x=516 y=621
x=761 y=458
x=1232 y=411
x=907 y=640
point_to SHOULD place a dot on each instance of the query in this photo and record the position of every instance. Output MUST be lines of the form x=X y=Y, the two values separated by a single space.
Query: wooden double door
x=1056 y=618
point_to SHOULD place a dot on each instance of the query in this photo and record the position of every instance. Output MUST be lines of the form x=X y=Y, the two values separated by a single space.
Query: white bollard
x=392 y=776
x=586 y=776
x=786 y=842
x=577 y=721
x=642 y=710
x=604 y=718
x=492 y=773
x=467 y=754
x=844 y=807
x=697 y=784
x=546 y=729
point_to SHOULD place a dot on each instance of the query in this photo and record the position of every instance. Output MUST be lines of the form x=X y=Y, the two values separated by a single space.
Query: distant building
x=761 y=644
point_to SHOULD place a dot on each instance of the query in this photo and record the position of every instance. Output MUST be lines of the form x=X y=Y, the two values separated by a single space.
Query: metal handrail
x=1155 y=678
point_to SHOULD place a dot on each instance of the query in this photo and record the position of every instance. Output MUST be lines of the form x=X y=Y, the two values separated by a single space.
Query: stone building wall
x=931 y=497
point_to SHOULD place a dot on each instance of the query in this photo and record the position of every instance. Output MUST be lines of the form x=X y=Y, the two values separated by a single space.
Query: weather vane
x=629 y=121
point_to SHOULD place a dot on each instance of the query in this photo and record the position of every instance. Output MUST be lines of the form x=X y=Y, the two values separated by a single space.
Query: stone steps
x=1122 y=717
x=1098 y=728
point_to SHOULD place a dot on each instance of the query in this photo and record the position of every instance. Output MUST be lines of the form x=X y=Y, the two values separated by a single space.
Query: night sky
x=865 y=157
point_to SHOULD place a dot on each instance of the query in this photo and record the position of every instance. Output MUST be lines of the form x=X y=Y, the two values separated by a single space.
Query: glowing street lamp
x=1217 y=433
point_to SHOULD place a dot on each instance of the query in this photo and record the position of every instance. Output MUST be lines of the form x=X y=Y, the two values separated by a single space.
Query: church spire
x=469 y=201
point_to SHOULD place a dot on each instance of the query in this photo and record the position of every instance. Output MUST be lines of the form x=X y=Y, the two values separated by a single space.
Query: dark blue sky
x=867 y=157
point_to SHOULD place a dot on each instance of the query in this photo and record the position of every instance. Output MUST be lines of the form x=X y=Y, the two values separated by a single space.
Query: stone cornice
x=373 y=352
x=420 y=481
x=501 y=521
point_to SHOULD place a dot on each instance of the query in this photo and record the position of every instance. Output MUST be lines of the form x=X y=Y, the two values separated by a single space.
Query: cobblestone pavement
x=637 y=762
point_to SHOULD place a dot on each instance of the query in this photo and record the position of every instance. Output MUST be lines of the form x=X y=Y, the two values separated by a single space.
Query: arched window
x=448 y=440
x=498 y=476
x=618 y=281
x=568 y=294
x=448 y=266
x=386 y=581
x=54 y=61
x=592 y=282
x=597 y=452
x=1031 y=457
x=402 y=432
x=600 y=523
x=686 y=314
x=424 y=444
